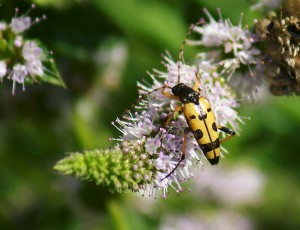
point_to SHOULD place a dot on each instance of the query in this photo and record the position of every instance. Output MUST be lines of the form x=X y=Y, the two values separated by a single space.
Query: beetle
x=199 y=116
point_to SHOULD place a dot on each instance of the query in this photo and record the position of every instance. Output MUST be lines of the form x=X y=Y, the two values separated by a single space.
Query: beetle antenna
x=201 y=21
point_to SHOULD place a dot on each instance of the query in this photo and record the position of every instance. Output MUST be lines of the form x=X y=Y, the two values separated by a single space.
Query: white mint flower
x=20 y=24
x=34 y=68
x=32 y=65
x=32 y=55
x=249 y=86
x=237 y=60
x=234 y=39
x=3 y=69
x=19 y=74
x=31 y=51
x=152 y=144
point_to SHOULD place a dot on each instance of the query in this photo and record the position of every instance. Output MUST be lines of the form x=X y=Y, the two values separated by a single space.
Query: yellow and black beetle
x=199 y=116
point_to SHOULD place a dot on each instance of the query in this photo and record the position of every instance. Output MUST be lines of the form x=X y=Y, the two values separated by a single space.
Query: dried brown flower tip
x=282 y=58
x=293 y=7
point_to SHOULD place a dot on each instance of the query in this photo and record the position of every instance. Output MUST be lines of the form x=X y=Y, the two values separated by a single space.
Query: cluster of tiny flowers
x=236 y=57
x=25 y=57
x=163 y=142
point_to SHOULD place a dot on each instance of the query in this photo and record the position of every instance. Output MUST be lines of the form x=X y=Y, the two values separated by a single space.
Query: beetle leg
x=169 y=95
x=197 y=84
x=177 y=109
x=228 y=131
x=186 y=131
x=162 y=89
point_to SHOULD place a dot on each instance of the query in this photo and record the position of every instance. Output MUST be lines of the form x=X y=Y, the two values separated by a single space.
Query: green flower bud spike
x=120 y=169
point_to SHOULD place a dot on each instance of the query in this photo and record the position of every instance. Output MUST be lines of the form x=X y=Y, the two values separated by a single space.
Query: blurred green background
x=102 y=48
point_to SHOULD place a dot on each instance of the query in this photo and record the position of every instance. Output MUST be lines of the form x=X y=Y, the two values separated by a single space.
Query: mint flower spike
x=31 y=64
x=163 y=145
x=119 y=170
x=233 y=53
x=27 y=61
x=20 y=24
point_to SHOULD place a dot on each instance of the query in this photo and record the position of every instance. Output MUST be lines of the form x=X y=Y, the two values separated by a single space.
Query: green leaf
x=150 y=20
x=3 y=44
x=51 y=73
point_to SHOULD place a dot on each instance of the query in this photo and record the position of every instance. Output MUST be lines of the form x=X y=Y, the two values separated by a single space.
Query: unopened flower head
x=163 y=142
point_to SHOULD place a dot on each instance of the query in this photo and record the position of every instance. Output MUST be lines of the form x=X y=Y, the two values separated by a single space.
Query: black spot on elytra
x=208 y=110
x=214 y=127
x=192 y=117
x=203 y=117
x=210 y=146
x=198 y=134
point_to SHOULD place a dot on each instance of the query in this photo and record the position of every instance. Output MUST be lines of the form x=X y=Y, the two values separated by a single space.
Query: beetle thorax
x=186 y=94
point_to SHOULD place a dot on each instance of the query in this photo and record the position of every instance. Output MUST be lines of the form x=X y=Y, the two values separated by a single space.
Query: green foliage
x=54 y=3
x=51 y=74
x=145 y=21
